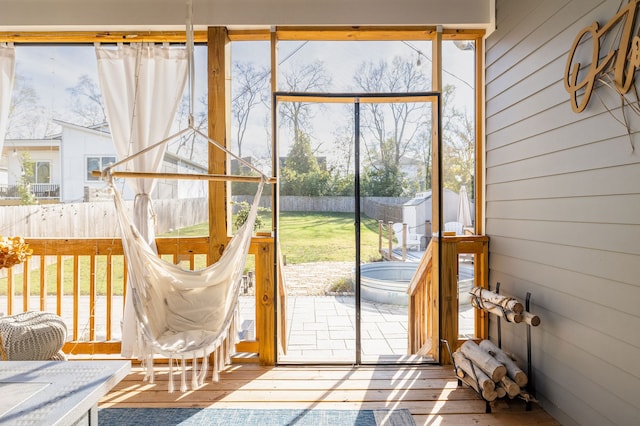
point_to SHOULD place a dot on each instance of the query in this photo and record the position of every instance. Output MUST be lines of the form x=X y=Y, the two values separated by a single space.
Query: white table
x=56 y=392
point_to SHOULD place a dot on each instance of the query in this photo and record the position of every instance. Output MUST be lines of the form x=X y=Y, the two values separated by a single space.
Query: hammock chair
x=183 y=314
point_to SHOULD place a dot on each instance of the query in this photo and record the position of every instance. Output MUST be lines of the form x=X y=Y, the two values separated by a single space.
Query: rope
x=190 y=59
x=481 y=303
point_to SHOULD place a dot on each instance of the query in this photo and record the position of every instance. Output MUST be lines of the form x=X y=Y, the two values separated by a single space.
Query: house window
x=38 y=171
x=97 y=163
x=43 y=172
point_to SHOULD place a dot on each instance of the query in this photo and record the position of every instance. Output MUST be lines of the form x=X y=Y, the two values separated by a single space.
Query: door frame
x=433 y=97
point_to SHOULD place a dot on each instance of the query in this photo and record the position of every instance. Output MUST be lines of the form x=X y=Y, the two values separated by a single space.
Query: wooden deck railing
x=433 y=311
x=80 y=279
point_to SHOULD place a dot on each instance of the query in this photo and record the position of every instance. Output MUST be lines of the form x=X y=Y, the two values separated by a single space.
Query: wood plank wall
x=562 y=212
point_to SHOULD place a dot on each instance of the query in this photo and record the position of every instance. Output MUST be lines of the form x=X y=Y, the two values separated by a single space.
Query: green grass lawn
x=304 y=238
x=325 y=237
x=315 y=237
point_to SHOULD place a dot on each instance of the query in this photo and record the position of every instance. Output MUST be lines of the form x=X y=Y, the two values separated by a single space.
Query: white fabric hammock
x=181 y=313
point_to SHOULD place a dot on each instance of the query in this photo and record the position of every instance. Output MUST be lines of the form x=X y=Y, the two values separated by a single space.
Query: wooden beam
x=480 y=138
x=481 y=276
x=185 y=176
x=250 y=35
x=273 y=306
x=383 y=33
x=348 y=98
x=438 y=313
x=61 y=37
x=313 y=33
x=219 y=81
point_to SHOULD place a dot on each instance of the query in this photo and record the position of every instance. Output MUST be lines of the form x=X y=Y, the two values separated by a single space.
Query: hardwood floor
x=429 y=392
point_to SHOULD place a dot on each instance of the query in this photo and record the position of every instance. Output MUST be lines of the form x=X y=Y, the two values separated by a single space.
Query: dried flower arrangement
x=13 y=250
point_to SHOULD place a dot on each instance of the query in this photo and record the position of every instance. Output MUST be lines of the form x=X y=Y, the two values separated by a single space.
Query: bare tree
x=311 y=77
x=250 y=90
x=451 y=121
x=459 y=154
x=27 y=118
x=192 y=147
x=392 y=137
x=86 y=102
x=344 y=143
x=390 y=130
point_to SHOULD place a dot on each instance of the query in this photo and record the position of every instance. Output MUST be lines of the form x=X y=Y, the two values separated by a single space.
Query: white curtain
x=7 y=73
x=142 y=85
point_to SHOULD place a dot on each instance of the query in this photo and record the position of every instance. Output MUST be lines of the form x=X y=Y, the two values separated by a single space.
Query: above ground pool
x=386 y=282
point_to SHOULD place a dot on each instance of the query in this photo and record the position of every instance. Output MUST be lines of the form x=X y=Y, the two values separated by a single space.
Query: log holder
x=529 y=388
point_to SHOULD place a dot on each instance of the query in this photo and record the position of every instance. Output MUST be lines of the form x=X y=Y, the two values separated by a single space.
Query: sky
x=52 y=70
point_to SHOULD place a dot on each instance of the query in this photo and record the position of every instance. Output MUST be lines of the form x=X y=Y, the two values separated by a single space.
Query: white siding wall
x=77 y=144
x=563 y=214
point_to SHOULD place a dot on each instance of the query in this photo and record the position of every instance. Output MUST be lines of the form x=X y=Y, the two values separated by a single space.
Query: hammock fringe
x=171 y=386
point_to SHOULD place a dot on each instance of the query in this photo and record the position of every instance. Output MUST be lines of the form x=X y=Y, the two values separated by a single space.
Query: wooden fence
x=93 y=219
x=380 y=208
x=97 y=219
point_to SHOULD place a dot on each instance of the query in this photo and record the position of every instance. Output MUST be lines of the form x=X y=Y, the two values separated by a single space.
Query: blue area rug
x=232 y=417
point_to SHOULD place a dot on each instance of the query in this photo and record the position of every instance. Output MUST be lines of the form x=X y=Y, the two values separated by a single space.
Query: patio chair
x=412 y=240
x=456 y=227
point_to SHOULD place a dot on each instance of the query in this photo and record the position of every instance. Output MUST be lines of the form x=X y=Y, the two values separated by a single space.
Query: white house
x=44 y=154
x=71 y=156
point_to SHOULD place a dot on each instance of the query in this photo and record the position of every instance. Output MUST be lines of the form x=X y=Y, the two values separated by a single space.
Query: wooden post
x=380 y=222
x=270 y=358
x=219 y=81
x=404 y=242
x=427 y=230
x=265 y=314
x=481 y=280
x=449 y=296
x=390 y=239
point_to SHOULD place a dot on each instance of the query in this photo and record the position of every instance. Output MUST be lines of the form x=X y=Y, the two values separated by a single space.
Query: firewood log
x=489 y=396
x=464 y=364
x=513 y=371
x=494 y=369
x=498 y=310
x=508 y=303
x=510 y=387
x=500 y=391
x=531 y=319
